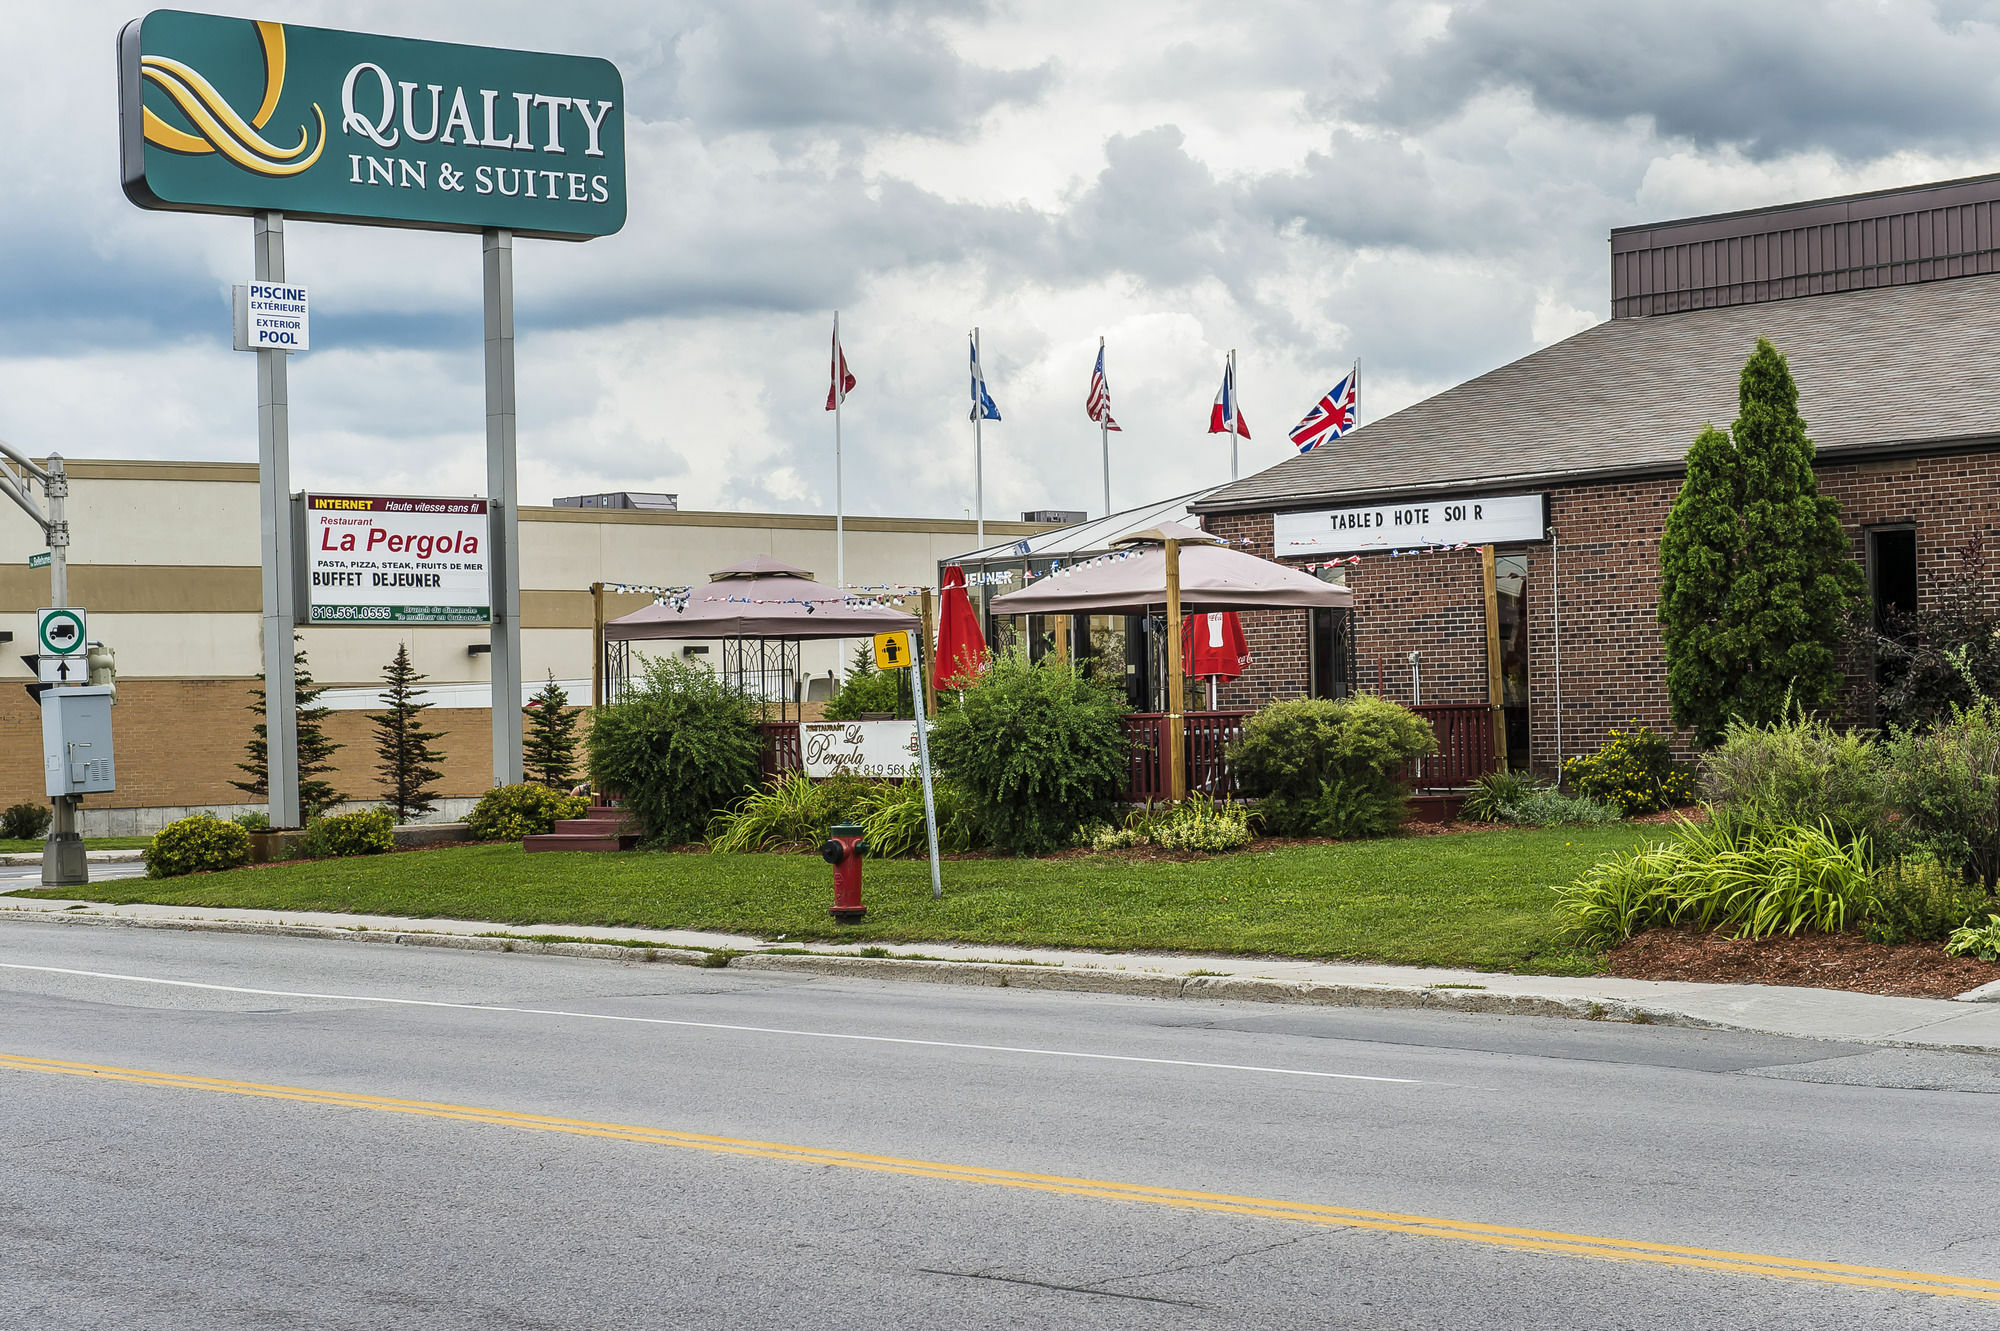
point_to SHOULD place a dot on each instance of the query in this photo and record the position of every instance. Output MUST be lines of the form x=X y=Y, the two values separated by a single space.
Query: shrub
x=681 y=745
x=793 y=812
x=1722 y=877
x=867 y=690
x=1547 y=808
x=1981 y=940
x=1799 y=772
x=364 y=832
x=1322 y=767
x=1634 y=772
x=1919 y=898
x=1946 y=785
x=25 y=822
x=509 y=813
x=197 y=844
x=1037 y=748
x=1943 y=655
x=1197 y=823
x=254 y=821
x=892 y=819
x=1493 y=791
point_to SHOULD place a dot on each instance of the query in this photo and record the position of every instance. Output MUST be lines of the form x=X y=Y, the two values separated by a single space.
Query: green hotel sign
x=224 y=115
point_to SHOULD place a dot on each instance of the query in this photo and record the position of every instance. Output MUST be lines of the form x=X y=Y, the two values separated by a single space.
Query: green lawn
x=1478 y=899
x=92 y=843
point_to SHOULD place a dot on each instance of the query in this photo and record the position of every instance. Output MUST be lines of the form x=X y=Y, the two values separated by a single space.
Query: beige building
x=165 y=557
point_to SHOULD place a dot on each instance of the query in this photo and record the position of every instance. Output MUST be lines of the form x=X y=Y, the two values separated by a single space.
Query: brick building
x=1564 y=463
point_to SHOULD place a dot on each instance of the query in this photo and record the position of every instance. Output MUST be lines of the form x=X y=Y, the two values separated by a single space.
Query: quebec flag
x=983 y=407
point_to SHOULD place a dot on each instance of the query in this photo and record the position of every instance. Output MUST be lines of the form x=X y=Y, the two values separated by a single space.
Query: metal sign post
x=924 y=763
x=63 y=861
x=274 y=508
x=503 y=494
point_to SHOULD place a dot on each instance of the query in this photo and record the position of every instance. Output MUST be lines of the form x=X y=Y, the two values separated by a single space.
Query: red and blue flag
x=1331 y=417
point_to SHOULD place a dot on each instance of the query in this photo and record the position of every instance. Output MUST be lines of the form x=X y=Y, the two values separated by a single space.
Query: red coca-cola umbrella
x=961 y=647
x=1213 y=646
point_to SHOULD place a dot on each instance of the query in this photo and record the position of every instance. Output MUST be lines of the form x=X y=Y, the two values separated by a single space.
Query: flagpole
x=1104 y=439
x=1235 y=411
x=978 y=456
x=839 y=496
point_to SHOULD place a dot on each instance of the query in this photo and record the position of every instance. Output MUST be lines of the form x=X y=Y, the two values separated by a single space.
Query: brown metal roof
x=1893 y=366
x=1923 y=233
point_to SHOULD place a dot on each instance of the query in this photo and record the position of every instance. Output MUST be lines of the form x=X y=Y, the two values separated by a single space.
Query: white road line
x=705 y=1025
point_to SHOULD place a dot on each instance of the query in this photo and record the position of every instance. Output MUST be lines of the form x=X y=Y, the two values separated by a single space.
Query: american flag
x=1098 y=404
x=1332 y=416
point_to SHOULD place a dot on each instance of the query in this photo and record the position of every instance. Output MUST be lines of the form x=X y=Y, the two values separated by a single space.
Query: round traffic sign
x=61 y=632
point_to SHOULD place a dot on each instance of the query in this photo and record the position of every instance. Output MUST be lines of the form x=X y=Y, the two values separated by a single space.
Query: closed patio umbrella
x=961 y=647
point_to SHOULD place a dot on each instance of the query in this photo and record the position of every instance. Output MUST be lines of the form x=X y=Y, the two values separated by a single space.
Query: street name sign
x=41 y=560
x=60 y=632
x=229 y=115
x=272 y=316
x=395 y=559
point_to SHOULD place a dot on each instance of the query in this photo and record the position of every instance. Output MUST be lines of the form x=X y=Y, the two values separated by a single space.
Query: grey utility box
x=76 y=740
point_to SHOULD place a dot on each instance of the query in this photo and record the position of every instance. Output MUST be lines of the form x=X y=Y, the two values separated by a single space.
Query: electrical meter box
x=76 y=740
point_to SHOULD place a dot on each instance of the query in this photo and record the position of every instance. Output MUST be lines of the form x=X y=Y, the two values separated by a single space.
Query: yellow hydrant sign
x=892 y=651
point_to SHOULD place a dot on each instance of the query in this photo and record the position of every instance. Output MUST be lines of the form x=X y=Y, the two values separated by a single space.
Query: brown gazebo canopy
x=1133 y=581
x=761 y=598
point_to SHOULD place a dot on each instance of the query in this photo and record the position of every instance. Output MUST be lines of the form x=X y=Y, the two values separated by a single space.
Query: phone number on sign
x=398 y=614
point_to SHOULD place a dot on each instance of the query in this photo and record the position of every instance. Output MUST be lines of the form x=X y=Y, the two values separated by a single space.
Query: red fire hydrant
x=844 y=851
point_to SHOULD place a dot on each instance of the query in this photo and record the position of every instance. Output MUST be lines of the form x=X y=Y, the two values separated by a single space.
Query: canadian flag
x=843 y=379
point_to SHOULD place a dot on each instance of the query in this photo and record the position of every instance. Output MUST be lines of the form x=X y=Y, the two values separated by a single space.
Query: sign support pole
x=274 y=493
x=1176 y=746
x=503 y=501
x=924 y=762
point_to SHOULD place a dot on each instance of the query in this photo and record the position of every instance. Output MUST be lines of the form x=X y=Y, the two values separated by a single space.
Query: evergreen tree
x=402 y=743
x=1756 y=575
x=315 y=749
x=548 y=746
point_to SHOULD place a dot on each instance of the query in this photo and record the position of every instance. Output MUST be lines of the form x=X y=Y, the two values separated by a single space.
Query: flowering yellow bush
x=1634 y=772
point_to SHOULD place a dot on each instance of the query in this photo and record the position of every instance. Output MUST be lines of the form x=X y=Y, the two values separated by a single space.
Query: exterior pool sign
x=272 y=316
x=227 y=115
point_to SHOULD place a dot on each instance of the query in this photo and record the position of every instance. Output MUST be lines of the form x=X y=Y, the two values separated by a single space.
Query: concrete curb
x=999 y=975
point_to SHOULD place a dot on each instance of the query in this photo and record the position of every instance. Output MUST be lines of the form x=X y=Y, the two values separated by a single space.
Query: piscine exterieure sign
x=227 y=115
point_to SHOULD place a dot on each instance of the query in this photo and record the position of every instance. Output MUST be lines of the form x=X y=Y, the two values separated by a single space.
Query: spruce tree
x=402 y=743
x=315 y=749
x=1756 y=575
x=548 y=746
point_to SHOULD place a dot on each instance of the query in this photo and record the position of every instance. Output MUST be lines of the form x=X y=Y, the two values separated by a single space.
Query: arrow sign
x=61 y=669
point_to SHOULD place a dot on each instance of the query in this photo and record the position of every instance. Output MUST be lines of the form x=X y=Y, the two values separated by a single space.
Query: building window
x=1892 y=574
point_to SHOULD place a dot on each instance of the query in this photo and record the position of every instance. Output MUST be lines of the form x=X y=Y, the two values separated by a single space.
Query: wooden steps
x=603 y=828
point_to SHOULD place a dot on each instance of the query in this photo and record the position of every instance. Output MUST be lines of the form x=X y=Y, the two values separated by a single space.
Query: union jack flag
x=1331 y=417
x=1098 y=404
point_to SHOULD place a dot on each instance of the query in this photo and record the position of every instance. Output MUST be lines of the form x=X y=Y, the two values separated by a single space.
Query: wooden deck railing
x=1464 y=733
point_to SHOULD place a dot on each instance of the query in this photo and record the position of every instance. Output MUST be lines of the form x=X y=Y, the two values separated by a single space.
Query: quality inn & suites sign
x=225 y=115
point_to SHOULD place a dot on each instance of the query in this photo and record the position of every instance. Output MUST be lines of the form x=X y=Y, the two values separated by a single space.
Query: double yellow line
x=1311 y=1213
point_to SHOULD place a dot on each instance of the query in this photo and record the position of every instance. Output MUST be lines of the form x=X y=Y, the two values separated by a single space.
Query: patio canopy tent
x=1177 y=569
x=768 y=603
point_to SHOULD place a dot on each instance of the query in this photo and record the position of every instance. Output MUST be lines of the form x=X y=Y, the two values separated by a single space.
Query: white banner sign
x=860 y=748
x=1489 y=520
x=395 y=559
x=273 y=316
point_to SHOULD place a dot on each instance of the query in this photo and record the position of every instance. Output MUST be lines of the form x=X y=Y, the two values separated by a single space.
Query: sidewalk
x=1968 y=1023
x=19 y=858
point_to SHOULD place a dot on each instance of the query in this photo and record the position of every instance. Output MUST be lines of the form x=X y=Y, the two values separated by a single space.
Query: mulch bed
x=1818 y=961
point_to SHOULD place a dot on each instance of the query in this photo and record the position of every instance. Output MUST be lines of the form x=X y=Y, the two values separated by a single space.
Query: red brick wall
x=1607 y=557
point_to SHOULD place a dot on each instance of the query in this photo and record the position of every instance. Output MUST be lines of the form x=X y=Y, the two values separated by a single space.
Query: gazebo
x=760 y=610
x=1179 y=570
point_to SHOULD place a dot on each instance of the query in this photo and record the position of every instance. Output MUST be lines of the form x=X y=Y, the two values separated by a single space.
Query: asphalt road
x=221 y=1131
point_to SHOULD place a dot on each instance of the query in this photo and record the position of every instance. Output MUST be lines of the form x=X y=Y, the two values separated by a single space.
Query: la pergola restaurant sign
x=1485 y=520
x=226 y=115
x=395 y=559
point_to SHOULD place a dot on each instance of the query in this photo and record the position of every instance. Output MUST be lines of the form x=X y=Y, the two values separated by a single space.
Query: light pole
x=63 y=861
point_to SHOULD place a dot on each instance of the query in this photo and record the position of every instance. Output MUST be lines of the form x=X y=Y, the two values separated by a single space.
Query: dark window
x=1333 y=659
x=1892 y=573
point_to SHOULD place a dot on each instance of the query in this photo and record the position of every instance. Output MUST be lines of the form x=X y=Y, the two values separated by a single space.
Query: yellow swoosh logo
x=218 y=127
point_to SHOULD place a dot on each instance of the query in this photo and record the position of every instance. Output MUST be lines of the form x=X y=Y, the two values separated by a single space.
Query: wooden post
x=1062 y=637
x=1496 y=692
x=1176 y=773
x=597 y=646
x=930 y=651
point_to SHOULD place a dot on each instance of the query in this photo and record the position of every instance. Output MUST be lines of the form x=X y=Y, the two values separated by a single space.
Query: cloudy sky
x=1424 y=188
